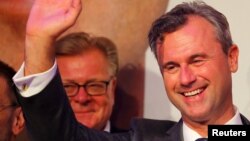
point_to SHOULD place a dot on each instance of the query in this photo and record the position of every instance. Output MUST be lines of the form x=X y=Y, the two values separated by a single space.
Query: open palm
x=49 y=18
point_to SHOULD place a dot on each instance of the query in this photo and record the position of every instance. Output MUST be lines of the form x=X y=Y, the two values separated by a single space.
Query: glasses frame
x=4 y=107
x=84 y=86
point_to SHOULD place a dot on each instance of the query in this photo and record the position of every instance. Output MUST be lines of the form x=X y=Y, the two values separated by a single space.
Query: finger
x=74 y=11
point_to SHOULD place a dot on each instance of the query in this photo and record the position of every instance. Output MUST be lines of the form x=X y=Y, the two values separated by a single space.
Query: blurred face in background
x=11 y=118
x=91 y=69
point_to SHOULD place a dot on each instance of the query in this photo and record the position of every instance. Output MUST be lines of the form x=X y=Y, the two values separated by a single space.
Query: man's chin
x=87 y=123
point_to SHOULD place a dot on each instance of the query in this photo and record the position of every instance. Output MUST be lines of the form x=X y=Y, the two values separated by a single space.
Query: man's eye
x=198 y=62
x=170 y=68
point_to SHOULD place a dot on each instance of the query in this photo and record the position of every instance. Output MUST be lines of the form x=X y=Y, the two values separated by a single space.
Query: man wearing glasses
x=11 y=117
x=88 y=66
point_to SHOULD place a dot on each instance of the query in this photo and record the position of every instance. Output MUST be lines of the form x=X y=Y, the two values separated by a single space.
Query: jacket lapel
x=173 y=134
x=244 y=120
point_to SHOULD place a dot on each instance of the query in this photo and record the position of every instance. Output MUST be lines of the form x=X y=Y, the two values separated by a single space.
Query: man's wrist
x=39 y=54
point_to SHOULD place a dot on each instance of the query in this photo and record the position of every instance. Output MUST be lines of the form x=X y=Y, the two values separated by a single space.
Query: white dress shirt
x=191 y=135
x=33 y=84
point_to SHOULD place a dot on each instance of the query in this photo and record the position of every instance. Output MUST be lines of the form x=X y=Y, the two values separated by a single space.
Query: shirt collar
x=107 y=127
x=191 y=135
x=236 y=118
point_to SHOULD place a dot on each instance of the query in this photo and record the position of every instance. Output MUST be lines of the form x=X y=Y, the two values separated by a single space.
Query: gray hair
x=75 y=43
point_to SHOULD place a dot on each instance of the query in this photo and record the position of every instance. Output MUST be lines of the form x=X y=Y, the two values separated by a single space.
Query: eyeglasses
x=3 y=107
x=95 y=88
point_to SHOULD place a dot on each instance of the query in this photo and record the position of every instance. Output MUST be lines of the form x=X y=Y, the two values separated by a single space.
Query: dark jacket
x=49 y=117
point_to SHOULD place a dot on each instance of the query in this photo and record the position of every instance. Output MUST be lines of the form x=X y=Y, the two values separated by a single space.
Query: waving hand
x=47 y=20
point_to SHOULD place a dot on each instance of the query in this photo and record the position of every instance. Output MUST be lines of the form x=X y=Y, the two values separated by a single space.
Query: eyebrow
x=88 y=81
x=198 y=55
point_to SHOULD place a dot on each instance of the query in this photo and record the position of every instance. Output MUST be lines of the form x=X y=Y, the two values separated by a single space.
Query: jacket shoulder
x=244 y=120
x=146 y=129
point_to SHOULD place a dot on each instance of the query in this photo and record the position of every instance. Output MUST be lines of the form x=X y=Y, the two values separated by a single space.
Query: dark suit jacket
x=49 y=117
x=114 y=129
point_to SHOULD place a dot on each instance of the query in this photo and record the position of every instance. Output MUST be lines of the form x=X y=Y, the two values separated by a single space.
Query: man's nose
x=82 y=96
x=187 y=76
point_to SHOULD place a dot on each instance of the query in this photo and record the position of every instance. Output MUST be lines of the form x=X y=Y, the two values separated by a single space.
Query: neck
x=201 y=127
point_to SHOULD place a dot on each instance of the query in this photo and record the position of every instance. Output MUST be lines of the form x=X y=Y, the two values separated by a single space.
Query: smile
x=193 y=93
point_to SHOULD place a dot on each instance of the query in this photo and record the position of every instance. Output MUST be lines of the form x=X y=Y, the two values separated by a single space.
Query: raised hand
x=51 y=17
x=47 y=20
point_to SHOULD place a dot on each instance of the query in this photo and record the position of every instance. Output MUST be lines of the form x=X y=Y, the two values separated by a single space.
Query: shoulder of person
x=244 y=120
x=151 y=127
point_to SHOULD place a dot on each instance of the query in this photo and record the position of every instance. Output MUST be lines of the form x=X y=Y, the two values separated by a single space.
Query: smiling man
x=88 y=66
x=198 y=79
x=196 y=55
x=193 y=46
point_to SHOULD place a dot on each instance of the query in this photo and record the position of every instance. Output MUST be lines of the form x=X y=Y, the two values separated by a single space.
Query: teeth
x=192 y=93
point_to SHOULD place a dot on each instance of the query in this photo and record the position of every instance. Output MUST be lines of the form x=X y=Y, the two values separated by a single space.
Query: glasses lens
x=91 y=88
x=3 y=107
x=70 y=89
x=96 y=88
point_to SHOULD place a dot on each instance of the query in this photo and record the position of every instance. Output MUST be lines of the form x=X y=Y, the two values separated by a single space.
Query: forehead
x=3 y=89
x=89 y=64
x=91 y=56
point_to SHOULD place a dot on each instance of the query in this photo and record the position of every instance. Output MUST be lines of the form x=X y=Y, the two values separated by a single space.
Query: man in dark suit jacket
x=193 y=47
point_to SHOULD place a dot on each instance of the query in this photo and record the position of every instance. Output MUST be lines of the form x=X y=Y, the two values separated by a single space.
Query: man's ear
x=113 y=89
x=18 y=121
x=114 y=85
x=233 y=54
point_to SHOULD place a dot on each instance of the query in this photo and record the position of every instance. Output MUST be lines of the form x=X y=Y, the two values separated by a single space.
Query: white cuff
x=35 y=83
